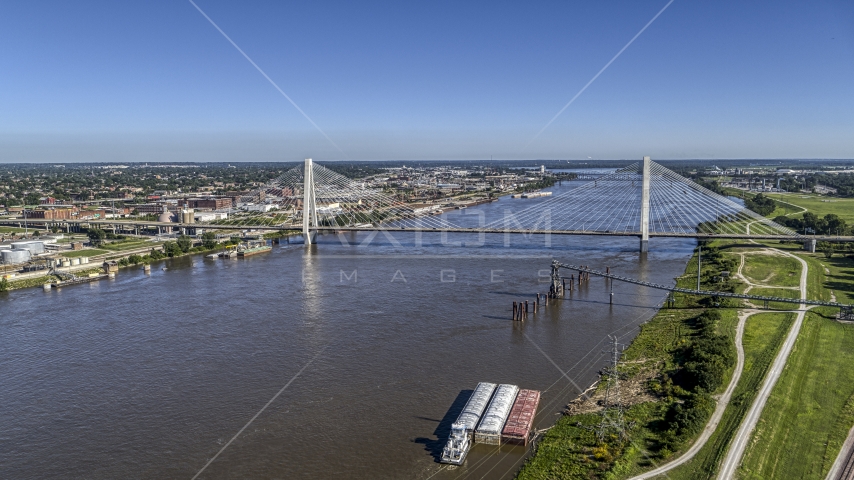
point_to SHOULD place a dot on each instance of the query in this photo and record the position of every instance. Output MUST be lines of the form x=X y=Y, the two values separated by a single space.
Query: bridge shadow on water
x=434 y=446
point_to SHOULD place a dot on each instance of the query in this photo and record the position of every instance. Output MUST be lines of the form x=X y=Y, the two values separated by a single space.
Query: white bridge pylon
x=309 y=204
x=642 y=200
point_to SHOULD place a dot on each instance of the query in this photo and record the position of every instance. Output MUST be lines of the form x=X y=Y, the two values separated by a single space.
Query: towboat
x=458 y=445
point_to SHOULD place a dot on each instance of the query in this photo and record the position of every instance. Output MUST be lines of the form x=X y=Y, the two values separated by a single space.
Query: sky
x=155 y=81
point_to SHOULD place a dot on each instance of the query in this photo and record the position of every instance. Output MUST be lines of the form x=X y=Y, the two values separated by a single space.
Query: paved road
x=742 y=437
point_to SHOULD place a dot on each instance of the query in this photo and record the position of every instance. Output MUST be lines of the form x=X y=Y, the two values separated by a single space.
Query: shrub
x=687 y=419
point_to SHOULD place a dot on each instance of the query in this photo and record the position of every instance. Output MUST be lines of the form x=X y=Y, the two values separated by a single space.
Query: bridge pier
x=557 y=287
x=644 y=240
x=809 y=245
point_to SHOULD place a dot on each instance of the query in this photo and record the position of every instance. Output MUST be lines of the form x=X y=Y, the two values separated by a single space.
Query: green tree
x=96 y=236
x=185 y=243
x=209 y=240
x=32 y=199
x=760 y=204
x=171 y=249
x=4 y=285
x=834 y=224
x=810 y=220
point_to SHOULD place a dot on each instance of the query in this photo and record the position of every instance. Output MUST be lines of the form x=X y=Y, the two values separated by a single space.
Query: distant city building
x=209 y=203
x=51 y=214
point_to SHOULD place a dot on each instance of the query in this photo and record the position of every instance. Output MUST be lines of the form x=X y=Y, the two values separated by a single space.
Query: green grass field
x=816 y=278
x=810 y=410
x=821 y=205
x=818 y=204
x=763 y=335
x=11 y=230
x=84 y=253
x=128 y=245
x=840 y=280
x=774 y=270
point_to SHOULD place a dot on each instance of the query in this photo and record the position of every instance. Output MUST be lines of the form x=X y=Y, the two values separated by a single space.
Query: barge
x=489 y=430
x=536 y=194
x=459 y=443
x=253 y=249
x=521 y=419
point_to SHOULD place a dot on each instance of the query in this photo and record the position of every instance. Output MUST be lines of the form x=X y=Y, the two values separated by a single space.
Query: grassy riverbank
x=680 y=357
x=811 y=408
x=663 y=357
x=763 y=335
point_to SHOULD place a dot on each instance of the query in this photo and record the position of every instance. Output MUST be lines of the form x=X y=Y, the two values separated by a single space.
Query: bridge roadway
x=391 y=228
x=708 y=293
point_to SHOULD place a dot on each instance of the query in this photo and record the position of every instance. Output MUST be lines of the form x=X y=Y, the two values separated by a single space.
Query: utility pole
x=612 y=408
x=699 y=254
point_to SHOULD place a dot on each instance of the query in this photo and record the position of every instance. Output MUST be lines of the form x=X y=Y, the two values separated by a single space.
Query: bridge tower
x=644 y=220
x=309 y=203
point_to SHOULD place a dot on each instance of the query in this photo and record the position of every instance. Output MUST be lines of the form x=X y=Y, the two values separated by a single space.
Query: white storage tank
x=187 y=216
x=15 y=255
x=34 y=247
x=75 y=261
x=84 y=260
x=66 y=262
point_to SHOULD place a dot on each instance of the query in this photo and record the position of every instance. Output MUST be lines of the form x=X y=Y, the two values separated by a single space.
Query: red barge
x=521 y=418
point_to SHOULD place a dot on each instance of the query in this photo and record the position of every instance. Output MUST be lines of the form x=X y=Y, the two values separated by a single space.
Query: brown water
x=149 y=376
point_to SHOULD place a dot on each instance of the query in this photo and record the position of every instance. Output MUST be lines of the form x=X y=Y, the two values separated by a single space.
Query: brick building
x=209 y=203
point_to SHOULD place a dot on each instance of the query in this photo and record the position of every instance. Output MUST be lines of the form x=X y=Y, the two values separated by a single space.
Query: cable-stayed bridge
x=642 y=200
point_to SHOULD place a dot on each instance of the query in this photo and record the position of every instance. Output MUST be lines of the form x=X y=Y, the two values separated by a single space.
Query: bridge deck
x=392 y=228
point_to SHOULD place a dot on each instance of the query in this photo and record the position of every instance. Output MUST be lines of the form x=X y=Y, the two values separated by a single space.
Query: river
x=377 y=341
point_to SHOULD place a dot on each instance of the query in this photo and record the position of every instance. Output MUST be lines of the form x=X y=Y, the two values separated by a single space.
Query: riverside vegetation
x=684 y=356
x=680 y=356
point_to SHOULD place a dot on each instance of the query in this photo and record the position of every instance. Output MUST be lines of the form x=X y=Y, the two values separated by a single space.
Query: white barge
x=459 y=443
x=489 y=430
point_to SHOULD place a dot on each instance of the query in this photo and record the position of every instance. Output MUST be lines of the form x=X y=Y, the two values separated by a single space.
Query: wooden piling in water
x=514 y=311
